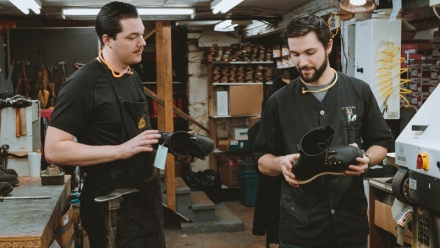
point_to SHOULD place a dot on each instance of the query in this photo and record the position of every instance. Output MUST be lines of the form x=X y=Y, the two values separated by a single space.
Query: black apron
x=140 y=217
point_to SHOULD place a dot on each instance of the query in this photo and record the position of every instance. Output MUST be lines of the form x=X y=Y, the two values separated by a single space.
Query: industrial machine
x=417 y=181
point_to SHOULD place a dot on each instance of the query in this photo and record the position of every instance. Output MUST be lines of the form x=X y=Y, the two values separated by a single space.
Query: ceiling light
x=229 y=25
x=223 y=6
x=25 y=5
x=347 y=5
x=141 y=11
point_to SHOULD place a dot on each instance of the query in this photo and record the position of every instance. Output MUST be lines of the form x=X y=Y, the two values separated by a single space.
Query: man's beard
x=318 y=73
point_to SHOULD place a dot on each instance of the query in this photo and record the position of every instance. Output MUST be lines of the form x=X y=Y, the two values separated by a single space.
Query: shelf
x=145 y=83
x=238 y=84
x=381 y=183
x=232 y=116
x=241 y=62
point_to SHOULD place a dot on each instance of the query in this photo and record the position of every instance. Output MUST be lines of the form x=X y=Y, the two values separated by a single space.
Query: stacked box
x=230 y=175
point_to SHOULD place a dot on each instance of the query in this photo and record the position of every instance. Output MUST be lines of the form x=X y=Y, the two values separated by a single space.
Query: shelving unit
x=212 y=100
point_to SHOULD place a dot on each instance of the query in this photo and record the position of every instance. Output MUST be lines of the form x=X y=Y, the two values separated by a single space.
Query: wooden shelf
x=145 y=83
x=232 y=116
x=241 y=62
x=238 y=84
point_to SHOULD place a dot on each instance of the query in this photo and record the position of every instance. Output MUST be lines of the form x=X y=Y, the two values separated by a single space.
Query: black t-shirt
x=88 y=108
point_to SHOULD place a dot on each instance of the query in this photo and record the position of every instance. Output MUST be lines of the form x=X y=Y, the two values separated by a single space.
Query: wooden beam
x=149 y=34
x=176 y=110
x=165 y=119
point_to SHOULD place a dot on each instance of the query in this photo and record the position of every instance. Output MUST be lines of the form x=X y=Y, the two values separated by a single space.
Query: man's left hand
x=361 y=168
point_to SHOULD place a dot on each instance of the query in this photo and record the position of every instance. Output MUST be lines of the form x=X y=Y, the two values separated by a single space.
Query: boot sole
x=6 y=192
x=317 y=175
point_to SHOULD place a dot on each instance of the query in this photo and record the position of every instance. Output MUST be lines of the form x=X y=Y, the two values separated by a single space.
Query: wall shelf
x=238 y=84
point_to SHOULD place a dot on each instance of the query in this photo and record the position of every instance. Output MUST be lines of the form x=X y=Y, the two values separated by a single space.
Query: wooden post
x=165 y=120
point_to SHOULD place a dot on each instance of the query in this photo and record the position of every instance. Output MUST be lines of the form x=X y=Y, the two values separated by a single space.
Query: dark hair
x=107 y=20
x=303 y=24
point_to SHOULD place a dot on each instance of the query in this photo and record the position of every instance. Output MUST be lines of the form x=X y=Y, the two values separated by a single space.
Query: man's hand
x=361 y=168
x=141 y=143
x=285 y=163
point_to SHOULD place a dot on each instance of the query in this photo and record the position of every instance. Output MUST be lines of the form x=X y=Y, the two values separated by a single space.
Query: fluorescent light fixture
x=141 y=11
x=25 y=5
x=229 y=25
x=223 y=6
x=80 y=12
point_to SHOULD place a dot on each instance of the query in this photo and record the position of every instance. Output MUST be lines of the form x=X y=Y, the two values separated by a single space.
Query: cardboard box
x=383 y=217
x=223 y=145
x=64 y=230
x=253 y=120
x=238 y=145
x=245 y=100
x=238 y=133
x=230 y=175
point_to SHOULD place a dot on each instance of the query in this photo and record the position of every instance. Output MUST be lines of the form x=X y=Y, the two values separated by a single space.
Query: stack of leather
x=235 y=53
x=212 y=54
x=268 y=74
x=249 y=77
x=241 y=73
x=215 y=74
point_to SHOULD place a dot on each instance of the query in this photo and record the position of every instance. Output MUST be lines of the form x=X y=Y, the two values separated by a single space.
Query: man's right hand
x=141 y=143
x=285 y=163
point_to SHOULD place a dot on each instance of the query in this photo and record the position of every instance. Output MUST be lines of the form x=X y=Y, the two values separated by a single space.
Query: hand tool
x=3 y=198
x=111 y=204
x=8 y=85
x=17 y=123
x=64 y=77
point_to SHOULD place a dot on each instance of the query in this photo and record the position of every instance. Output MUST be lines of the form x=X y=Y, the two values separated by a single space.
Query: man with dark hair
x=330 y=210
x=104 y=106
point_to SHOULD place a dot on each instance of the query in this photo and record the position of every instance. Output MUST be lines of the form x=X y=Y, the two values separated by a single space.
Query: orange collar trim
x=115 y=74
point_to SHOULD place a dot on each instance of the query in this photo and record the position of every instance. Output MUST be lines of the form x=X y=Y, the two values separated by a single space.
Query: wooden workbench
x=31 y=223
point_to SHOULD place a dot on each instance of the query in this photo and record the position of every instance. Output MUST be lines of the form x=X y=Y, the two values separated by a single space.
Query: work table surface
x=31 y=222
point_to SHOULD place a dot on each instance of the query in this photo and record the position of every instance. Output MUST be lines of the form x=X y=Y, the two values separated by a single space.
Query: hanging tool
x=46 y=92
x=3 y=198
x=8 y=85
x=4 y=156
x=51 y=88
x=78 y=65
x=19 y=103
x=22 y=86
x=39 y=83
x=64 y=77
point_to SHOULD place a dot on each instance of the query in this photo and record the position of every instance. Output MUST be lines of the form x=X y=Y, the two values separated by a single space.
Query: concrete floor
x=176 y=239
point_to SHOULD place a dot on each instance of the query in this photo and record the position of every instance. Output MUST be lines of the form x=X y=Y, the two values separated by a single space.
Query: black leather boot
x=5 y=177
x=318 y=158
x=9 y=171
x=184 y=144
x=5 y=188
